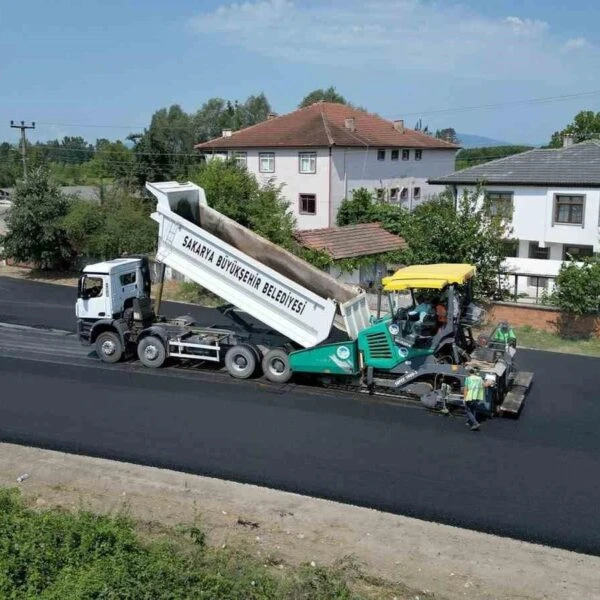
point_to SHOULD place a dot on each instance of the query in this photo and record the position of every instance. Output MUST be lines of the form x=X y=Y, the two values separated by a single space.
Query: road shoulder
x=439 y=560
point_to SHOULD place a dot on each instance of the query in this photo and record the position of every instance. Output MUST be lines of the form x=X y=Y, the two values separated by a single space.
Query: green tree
x=326 y=95
x=121 y=225
x=441 y=230
x=577 y=289
x=35 y=231
x=11 y=167
x=448 y=134
x=585 y=126
x=235 y=192
x=165 y=151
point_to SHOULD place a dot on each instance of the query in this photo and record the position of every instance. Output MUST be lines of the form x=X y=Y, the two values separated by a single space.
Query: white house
x=324 y=151
x=554 y=197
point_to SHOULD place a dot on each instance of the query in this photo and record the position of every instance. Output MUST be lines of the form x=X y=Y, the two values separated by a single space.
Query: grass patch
x=188 y=291
x=56 y=554
x=544 y=340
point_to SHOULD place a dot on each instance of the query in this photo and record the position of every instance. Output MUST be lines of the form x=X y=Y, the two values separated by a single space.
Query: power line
x=546 y=99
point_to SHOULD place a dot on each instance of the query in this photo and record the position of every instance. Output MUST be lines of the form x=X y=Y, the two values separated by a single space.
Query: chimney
x=567 y=140
x=399 y=125
x=227 y=132
x=271 y=116
x=350 y=124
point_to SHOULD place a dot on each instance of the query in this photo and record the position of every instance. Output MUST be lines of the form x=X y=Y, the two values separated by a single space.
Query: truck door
x=125 y=288
x=93 y=301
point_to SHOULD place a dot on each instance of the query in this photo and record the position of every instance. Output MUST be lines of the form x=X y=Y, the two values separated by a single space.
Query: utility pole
x=23 y=127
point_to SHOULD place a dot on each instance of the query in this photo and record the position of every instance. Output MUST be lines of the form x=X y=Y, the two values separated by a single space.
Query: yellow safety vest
x=474 y=387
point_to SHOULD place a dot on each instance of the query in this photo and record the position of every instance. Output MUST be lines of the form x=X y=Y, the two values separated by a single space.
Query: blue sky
x=75 y=66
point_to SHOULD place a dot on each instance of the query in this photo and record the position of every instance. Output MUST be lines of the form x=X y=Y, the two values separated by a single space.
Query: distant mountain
x=467 y=140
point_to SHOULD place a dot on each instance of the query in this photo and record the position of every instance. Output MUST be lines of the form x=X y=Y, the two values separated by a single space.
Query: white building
x=554 y=197
x=324 y=151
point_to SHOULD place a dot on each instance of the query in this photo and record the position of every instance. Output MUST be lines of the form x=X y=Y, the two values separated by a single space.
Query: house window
x=404 y=194
x=418 y=154
x=308 y=204
x=536 y=252
x=380 y=154
x=405 y=154
x=501 y=204
x=416 y=193
x=266 y=162
x=307 y=162
x=241 y=158
x=394 y=194
x=380 y=194
x=577 y=252
x=568 y=209
x=395 y=154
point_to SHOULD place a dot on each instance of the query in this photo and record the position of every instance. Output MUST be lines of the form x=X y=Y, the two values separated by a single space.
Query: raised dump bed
x=269 y=283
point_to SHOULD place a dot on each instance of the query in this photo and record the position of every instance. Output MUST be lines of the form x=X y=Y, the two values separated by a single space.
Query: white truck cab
x=107 y=289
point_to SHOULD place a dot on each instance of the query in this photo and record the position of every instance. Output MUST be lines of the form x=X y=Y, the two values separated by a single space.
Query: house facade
x=553 y=196
x=324 y=151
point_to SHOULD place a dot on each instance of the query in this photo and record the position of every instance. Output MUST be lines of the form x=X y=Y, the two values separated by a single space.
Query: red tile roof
x=323 y=125
x=351 y=240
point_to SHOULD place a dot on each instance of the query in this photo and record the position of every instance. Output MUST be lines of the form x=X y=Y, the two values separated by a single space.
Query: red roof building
x=324 y=151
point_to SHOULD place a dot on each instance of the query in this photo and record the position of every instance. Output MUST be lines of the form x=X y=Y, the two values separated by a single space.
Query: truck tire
x=241 y=361
x=151 y=352
x=276 y=366
x=109 y=347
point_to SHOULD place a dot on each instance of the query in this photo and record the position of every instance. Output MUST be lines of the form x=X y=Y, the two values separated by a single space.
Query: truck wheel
x=109 y=347
x=151 y=352
x=276 y=366
x=241 y=362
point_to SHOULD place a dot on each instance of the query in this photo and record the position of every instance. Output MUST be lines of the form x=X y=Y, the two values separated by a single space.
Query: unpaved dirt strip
x=441 y=561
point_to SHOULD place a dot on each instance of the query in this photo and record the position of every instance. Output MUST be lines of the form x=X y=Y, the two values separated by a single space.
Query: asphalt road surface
x=535 y=478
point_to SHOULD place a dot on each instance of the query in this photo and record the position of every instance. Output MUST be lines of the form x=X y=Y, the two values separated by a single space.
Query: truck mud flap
x=513 y=401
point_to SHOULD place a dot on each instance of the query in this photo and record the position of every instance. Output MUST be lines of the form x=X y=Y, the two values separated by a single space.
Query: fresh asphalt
x=535 y=478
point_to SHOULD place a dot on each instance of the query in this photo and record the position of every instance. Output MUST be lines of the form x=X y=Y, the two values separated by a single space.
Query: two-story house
x=554 y=198
x=324 y=151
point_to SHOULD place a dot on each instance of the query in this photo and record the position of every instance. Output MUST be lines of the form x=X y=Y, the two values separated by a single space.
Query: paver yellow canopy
x=436 y=276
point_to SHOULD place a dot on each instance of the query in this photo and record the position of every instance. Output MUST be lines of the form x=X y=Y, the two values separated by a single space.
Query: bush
x=35 y=231
x=122 y=225
x=577 y=289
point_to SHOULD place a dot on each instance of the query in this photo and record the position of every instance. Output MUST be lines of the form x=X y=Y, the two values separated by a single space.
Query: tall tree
x=448 y=134
x=35 y=231
x=165 y=150
x=327 y=95
x=585 y=126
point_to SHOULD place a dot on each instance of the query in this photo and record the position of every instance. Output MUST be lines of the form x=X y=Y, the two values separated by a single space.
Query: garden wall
x=547 y=319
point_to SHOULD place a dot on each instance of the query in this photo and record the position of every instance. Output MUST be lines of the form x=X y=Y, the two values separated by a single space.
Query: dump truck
x=393 y=352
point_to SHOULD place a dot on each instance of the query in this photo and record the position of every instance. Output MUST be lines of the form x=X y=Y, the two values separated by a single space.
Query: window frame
x=406 y=154
x=416 y=194
x=494 y=203
x=555 y=210
x=262 y=155
x=304 y=155
x=241 y=158
x=581 y=247
x=128 y=274
x=403 y=194
x=394 y=194
x=395 y=154
x=303 y=196
x=381 y=154
x=418 y=154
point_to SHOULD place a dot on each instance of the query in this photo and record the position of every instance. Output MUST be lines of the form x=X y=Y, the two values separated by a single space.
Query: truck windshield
x=90 y=286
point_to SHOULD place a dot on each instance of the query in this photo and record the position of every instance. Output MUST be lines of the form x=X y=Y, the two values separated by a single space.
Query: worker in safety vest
x=474 y=392
x=505 y=334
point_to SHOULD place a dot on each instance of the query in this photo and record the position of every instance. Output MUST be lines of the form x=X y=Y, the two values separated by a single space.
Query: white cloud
x=403 y=35
x=576 y=44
